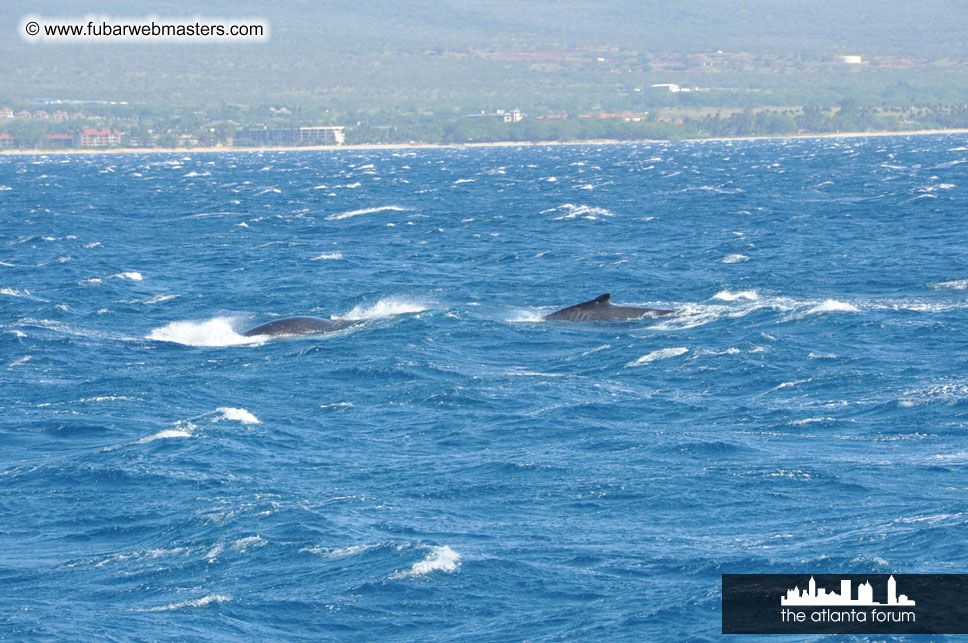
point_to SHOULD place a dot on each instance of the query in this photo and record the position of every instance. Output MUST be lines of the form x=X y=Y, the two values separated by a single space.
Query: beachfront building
x=6 y=140
x=289 y=136
x=99 y=138
x=322 y=135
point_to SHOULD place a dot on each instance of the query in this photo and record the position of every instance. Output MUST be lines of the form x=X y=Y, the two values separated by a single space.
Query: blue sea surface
x=449 y=466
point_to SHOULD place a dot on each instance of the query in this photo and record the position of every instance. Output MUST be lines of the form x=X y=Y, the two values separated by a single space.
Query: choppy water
x=451 y=467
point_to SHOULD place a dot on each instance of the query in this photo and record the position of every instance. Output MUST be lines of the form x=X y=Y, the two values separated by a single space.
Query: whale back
x=292 y=326
x=602 y=309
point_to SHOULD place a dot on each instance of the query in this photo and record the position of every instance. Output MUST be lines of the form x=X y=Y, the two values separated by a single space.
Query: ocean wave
x=386 y=307
x=663 y=353
x=735 y=258
x=250 y=542
x=235 y=415
x=198 y=602
x=443 y=559
x=327 y=256
x=355 y=213
x=571 y=211
x=212 y=332
x=726 y=295
x=833 y=306
x=338 y=552
x=184 y=431
x=957 y=284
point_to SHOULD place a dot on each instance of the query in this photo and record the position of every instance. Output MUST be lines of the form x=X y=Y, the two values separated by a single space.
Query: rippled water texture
x=446 y=465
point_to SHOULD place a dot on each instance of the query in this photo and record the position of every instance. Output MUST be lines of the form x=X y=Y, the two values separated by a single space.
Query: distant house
x=628 y=118
x=23 y=114
x=6 y=112
x=41 y=114
x=60 y=140
x=188 y=140
x=671 y=87
x=850 y=60
x=7 y=141
x=513 y=116
x=99 y=138
x=60 y=115
x=78 y=115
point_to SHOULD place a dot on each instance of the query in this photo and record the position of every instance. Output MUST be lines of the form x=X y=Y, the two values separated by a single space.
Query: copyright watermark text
x=94 y=29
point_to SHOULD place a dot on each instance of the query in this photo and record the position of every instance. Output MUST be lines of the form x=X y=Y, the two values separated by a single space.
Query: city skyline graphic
x=814 y=596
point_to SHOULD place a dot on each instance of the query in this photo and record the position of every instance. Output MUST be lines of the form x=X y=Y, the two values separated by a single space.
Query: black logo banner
x=845 y=604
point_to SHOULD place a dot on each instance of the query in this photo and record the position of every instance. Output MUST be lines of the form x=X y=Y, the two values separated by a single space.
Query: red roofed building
x=99 y=137
x=6 y=112
x=41 y=114
x=7 y=141
x=61 y=115
x=23 y=114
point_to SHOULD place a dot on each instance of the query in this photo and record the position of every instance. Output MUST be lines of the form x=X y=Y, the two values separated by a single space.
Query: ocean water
x=448 y=466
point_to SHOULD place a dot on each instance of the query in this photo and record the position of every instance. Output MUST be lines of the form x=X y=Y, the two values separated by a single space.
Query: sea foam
x=663 y=353
x=355 y=213
x=443 y=559
x=212 y=332
x=386 y=307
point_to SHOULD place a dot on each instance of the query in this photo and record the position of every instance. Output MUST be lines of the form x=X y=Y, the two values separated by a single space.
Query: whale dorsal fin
x=603 y=299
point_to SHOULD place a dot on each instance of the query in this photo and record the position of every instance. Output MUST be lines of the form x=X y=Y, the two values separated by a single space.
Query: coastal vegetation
x=395 y=72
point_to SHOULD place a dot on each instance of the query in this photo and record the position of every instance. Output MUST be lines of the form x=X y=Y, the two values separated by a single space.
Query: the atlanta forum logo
x=813 y=597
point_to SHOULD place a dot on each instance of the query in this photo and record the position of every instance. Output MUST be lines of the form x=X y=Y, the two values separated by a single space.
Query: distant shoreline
x=418 y=146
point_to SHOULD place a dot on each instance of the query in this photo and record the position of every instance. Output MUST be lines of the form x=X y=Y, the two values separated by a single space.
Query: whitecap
x=443 y=559
x=572 y=211
x=168 y=434
x=198 y=602
x=354 y=213
x=726 y=295
x=130 y=276
x=386 y=307
x=327 y=256
x=235 y=415
x=663 y=353
x=212 y=332
x=833 y=306
x=958 y=284
x=243 y=544
x=735 y=258
x=337 y=552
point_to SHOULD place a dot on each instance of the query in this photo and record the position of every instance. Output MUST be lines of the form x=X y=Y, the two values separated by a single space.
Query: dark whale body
x=602 y=309
x=292 y=326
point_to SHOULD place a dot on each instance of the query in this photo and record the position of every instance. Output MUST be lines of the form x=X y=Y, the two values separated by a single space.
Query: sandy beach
x=417 y=146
